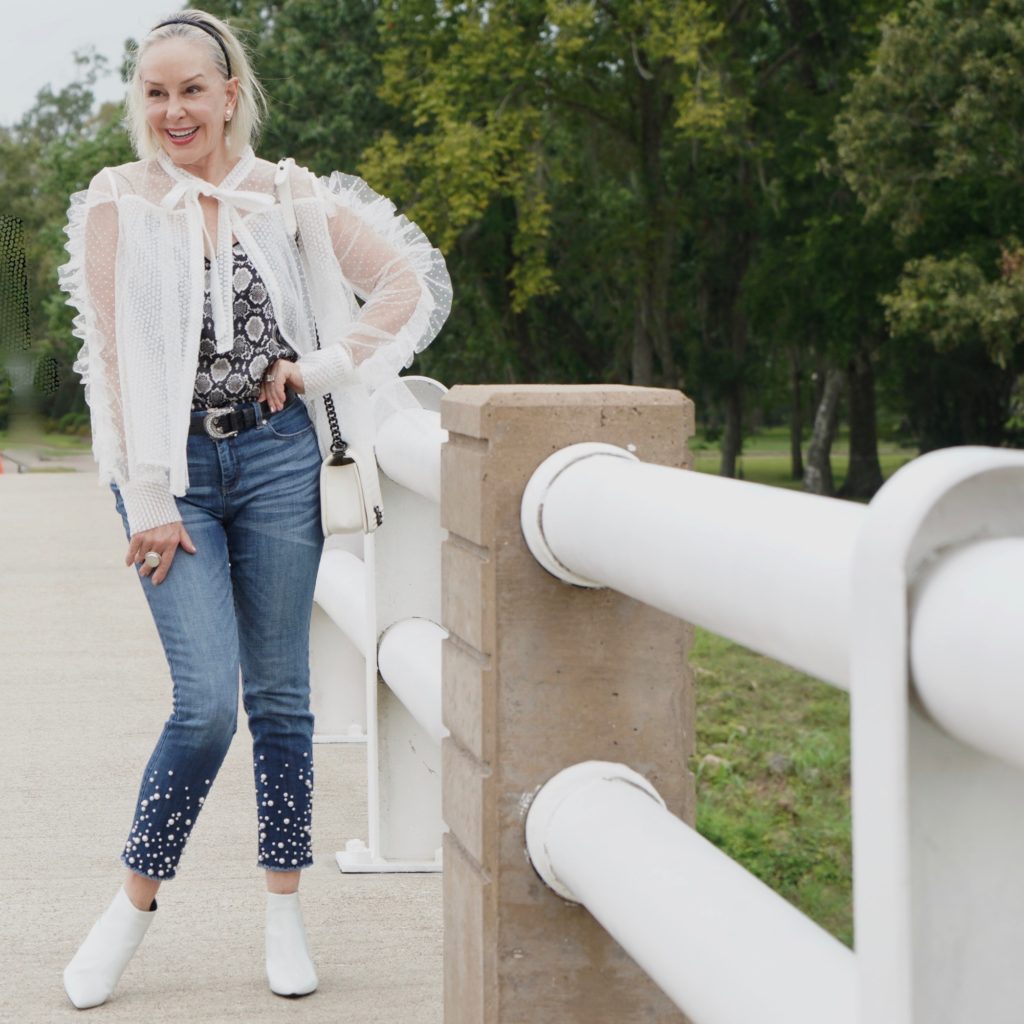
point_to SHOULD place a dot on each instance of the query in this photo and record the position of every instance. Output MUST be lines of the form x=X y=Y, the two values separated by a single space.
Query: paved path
x=18 y=458
x=84 y=689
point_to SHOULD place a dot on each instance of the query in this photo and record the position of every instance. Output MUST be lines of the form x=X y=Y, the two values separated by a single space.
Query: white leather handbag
x=349 y=493
x=350 y=498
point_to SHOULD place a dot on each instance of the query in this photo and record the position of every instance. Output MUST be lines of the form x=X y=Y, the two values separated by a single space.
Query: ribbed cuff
x=325 y=369
x=148 y=504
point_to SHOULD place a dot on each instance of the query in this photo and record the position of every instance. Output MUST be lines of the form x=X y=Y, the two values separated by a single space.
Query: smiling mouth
x=183 y=133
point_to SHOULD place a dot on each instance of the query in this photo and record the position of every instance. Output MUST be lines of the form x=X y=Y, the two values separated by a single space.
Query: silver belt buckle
x=211 y=428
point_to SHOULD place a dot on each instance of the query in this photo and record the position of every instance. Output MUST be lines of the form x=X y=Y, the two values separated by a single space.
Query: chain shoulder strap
x=283 y=187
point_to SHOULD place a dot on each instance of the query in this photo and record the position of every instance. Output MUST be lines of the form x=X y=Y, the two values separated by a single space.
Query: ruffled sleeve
x=89 y=278
x=400 y=278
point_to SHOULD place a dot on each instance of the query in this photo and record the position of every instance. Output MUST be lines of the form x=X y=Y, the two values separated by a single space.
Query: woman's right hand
x=162 y=539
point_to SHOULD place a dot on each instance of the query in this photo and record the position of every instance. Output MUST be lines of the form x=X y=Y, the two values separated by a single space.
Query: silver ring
x=268 y=379
x=152 y=559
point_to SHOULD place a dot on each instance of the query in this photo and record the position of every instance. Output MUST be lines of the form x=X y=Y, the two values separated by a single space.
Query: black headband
x=209 y=29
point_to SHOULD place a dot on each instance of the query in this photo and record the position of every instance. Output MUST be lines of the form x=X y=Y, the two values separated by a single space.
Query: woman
x=200 y=314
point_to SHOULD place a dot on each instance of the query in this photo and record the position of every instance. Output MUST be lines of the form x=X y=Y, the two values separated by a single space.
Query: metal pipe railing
x=409 y=659
x=765 y=567
x=408 y=448
x=967 y=645
x=409 y=651
x=341 y=593
x=721 y=944
x=772 y=569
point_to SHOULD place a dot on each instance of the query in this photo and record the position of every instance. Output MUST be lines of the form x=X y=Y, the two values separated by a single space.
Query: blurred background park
x=805 y=214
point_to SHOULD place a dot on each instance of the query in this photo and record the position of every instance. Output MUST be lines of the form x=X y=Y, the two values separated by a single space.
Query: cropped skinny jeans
x=241 y=604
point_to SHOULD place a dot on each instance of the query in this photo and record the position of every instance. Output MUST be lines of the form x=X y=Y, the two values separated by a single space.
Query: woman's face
x=187 y=102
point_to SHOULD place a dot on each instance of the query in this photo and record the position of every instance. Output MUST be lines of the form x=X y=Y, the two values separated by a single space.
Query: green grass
x=765 y=458
x=773 y=776
x=60 y=444
x=774 y=469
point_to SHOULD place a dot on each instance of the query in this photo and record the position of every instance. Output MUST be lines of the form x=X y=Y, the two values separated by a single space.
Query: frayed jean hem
x=284 y=867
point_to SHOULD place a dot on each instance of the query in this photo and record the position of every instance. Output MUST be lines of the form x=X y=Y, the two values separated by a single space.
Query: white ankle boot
x=290 y=969
x=101 y=959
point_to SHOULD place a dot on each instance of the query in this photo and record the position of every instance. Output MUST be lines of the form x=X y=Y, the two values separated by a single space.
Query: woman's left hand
x=284 y=371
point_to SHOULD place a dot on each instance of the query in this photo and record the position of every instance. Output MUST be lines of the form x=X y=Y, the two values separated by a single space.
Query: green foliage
x=497 y=99
x=950 y=301
x=931 y=140
x=934 y=126
x=70 y=422
x=461 y=76
x=318 y=65
x=53 y=151
x=5 y=398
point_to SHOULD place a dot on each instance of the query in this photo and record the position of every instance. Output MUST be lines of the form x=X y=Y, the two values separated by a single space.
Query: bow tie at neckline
x=230 y=181
x=190 y=187
x=230 y=197
x=231 y=201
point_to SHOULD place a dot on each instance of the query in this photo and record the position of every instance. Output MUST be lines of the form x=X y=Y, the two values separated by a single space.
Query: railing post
x=538 y=675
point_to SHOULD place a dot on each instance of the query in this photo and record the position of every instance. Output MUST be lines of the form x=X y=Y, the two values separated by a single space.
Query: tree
x=815 y=269
x=931 y=139
x=318 y=64
x=499 y=102
x=51 y=152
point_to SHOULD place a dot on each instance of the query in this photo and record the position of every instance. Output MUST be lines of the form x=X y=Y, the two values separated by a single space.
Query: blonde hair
x=250 y=107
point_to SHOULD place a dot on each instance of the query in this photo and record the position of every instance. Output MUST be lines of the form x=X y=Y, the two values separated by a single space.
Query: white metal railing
x=929 y=575
x=409 y=657
x=967 y=644
x=376 y=611
x=772 y=569
x=341 y=593
x=408 y=450
x=759 y=565
x=913 y=603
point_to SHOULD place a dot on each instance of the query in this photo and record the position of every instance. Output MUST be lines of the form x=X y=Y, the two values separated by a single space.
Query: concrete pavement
x=84 y=689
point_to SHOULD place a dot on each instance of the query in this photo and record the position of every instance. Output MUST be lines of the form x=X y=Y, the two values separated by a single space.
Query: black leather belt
x=228 y=420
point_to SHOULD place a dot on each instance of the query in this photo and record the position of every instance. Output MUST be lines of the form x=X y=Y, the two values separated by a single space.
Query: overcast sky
x=40 y=37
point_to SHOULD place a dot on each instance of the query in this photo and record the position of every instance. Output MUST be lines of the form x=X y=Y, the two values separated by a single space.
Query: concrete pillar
x=538 y=675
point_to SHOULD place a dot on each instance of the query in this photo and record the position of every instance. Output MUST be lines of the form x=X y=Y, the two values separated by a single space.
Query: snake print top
x=236 y=376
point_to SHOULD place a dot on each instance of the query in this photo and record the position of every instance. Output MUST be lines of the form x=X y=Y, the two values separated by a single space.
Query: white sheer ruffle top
x=366 y=277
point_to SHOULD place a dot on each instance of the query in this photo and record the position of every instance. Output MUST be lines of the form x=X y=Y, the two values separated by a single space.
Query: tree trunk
x=660 y=274
x=732 y=438
x=642 y=369
x=739 y=242
x=818 y=474
x=650 y=330
x=818 y=379
x=865 y=474
x=796 y=416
